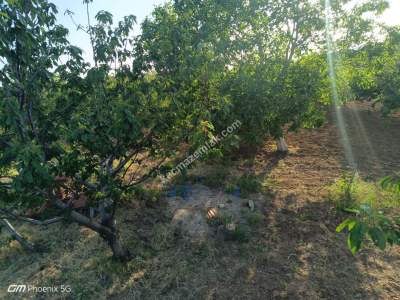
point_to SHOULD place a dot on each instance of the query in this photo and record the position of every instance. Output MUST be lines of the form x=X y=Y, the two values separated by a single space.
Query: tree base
x=281 y=145
x=119 y=252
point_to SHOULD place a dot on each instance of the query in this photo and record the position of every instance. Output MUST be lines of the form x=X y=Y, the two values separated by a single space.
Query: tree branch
x=145 y=177
x=123 y=162
x=81 y=219
x=18 y=237
x=30 y=220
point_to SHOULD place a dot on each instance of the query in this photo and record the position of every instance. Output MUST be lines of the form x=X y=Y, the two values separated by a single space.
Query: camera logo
x=17 y=288
x=23 y=288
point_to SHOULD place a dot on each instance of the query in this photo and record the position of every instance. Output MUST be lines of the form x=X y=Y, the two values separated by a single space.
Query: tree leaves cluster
x=71 y=132
x=372 y=71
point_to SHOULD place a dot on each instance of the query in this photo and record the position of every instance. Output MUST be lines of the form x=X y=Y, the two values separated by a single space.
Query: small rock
x=231 y=226
x=251 y=205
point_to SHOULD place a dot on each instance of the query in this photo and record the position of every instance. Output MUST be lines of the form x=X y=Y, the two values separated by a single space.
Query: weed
x=162 y=236
x=230 y=188
x=240 y=234
x=222 y=218
x=147 y=195
x=217 y=178
x=253 y=218
x=249 y=184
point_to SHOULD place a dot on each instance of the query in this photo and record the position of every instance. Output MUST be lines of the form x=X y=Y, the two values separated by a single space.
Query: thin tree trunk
x=118 y=250
x=281 y=145
x=105 y=229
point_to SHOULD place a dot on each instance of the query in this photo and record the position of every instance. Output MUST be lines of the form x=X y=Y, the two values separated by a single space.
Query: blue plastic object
x=200 y=179
x=236 y=192
x=172 y=193
x=187 y=192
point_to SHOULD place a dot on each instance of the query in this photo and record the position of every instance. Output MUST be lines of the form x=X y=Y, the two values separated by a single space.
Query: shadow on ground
x=294 y=253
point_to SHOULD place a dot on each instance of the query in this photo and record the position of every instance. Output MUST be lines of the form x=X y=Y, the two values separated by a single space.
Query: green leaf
x=352 y=210
x=344 y=224
x=356 y=237
x=378 y=237
x=28 y=176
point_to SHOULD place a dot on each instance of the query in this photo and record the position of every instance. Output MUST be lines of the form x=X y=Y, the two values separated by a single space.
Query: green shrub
x=254 y=218
x=147 y=195
x=249 y=184
x=240 y=234
x=374 y=209
x=350 y=191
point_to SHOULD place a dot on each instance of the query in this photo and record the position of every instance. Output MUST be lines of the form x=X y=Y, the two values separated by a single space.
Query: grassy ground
x=293 y=253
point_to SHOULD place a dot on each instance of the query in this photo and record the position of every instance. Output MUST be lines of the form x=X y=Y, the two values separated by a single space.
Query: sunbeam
x=332 y=77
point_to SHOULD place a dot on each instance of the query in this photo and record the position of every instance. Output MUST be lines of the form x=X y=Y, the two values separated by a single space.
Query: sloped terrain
x=291 y=252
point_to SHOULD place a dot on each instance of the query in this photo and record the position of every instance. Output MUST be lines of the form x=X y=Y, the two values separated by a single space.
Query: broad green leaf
x=356 y=237
x=378 y=237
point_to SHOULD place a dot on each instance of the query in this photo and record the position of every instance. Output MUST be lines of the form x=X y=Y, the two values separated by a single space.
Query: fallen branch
x=18 y=237
x=30 y=220
x=41 y=223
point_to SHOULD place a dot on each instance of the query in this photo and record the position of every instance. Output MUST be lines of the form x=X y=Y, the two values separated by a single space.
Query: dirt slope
x=296 y=253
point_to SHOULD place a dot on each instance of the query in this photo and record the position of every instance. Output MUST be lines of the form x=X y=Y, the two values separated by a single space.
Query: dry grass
x=294 y=253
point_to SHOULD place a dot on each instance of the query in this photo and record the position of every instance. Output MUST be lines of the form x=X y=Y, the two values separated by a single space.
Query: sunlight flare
x=335 y=95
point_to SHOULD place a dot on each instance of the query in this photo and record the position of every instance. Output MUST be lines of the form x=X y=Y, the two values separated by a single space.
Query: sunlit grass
x=351 y=191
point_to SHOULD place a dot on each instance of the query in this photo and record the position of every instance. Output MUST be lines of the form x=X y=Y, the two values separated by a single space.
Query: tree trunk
x=105 y=229
x=118 y=250
x=281 y=145
x=112 y=237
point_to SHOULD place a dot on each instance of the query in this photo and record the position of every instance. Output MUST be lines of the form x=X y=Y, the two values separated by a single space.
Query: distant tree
x=388 y=79
x=372 y=71
x=239 y=60
x=202 y=50
x=183 y=45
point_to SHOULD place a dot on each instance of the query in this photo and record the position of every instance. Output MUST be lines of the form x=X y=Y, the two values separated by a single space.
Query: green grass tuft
x=351 y=191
